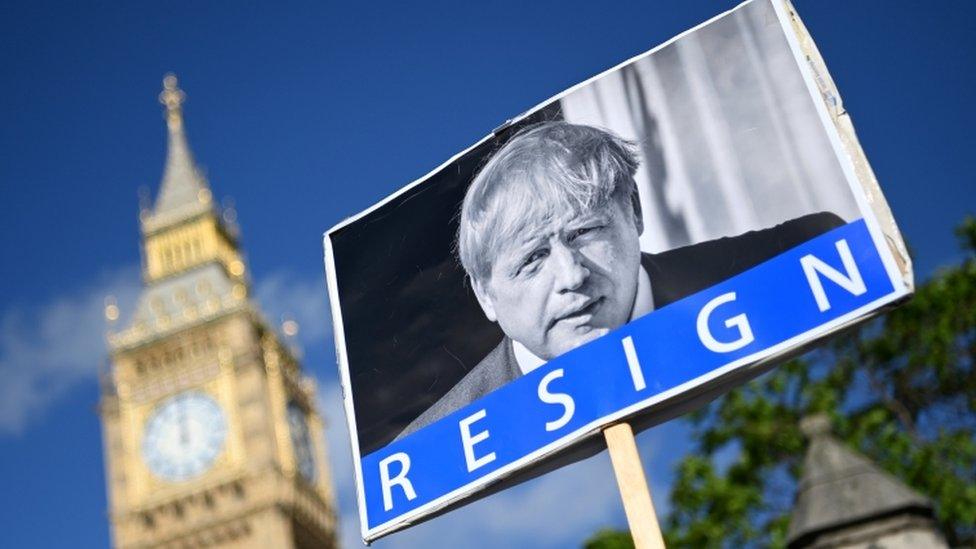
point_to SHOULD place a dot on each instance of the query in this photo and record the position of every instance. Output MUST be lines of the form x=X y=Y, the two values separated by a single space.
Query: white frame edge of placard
x=345 y=386
x=840 y=129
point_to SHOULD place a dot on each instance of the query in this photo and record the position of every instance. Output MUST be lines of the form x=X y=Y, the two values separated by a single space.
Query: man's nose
x=569 y=271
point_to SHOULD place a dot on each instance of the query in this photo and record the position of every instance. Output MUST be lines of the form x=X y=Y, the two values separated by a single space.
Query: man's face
x=569 y=283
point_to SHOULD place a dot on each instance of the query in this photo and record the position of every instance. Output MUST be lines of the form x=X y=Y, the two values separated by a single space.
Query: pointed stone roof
x=184 y=191
x=841 y=487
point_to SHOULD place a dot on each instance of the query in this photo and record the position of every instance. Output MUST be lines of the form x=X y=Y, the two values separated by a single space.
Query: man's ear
x=638 y=212
x=484 y=299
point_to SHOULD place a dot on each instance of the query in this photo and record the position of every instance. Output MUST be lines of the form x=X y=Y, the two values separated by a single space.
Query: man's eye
x=532 y=259
x=582 y=231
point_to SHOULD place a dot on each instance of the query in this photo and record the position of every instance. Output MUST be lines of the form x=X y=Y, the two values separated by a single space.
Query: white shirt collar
x=643 y=304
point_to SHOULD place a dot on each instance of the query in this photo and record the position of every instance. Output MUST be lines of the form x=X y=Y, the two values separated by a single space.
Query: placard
x=629 y=249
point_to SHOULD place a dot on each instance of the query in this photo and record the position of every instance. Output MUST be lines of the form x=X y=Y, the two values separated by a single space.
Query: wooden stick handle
x=633 y=487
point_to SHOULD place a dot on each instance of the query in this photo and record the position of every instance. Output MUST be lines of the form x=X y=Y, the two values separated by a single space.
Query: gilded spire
x=183 y=190
x=172 y=97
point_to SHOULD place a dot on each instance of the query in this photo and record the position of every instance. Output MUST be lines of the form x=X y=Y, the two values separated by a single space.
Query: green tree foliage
x=900 y=389
x=609 y=538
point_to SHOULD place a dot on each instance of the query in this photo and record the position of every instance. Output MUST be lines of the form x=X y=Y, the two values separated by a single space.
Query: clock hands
x=184 y=428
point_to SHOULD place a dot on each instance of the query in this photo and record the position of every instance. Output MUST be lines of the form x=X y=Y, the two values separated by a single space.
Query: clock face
x=301 y=441
x=183 y=436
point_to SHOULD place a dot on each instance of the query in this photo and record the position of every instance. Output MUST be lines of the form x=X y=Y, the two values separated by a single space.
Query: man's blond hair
x=547 y=171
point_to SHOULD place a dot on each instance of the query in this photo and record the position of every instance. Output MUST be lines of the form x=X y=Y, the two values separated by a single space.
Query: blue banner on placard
x=772 y=303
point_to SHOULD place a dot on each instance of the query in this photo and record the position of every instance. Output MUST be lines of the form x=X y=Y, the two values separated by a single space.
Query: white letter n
x=852 y=281
x=400 y=479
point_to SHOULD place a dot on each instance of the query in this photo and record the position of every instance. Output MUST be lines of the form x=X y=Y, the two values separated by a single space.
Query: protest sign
x=625 y=251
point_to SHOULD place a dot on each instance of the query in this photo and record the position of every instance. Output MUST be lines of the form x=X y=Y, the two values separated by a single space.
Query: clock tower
x=211 y=431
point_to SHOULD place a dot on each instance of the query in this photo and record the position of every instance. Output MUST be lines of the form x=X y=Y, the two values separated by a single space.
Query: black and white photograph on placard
x=657 y=179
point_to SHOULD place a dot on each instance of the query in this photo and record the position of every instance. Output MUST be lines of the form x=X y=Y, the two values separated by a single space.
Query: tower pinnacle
x=172 y=97
x=184 y=191
x=842 y=493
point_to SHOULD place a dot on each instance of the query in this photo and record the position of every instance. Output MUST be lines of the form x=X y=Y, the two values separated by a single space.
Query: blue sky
x=308 y=113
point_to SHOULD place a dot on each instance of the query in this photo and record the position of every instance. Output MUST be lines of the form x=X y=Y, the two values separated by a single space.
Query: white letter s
x=569 y=406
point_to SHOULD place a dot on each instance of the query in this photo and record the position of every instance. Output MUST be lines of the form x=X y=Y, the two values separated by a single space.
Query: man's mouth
x=582 y=314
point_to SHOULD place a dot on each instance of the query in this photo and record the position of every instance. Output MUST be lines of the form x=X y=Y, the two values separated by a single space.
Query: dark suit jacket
x=674 y=274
